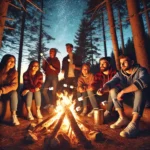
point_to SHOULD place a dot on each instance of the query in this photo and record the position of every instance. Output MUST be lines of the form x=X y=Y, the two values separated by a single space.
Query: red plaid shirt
x=100 y=79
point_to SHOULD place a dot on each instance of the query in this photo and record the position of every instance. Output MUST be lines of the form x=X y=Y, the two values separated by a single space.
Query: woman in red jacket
x=32 y=82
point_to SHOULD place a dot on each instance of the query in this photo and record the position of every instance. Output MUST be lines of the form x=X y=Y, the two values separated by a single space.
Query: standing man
x=106 y=73
x=133 y=80
x=51 y=66
x=71 y=66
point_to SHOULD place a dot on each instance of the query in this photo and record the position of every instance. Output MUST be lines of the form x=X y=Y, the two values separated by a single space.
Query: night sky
x=65 y=19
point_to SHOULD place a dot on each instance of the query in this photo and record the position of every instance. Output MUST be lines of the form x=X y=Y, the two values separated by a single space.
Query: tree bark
x=104 y=37
x=21 y=44
x=113 y=33
x=138 y=34
x=3 y=13
x=121 y=29
x=147 y=17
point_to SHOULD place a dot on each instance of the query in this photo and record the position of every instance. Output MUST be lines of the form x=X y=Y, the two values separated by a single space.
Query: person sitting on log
x=104 y=75
x=9 y=84
x=134 y=81
x=32 y=82
x=85 y=89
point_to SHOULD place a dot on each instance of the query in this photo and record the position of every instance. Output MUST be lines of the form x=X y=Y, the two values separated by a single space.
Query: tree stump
x=5 y=113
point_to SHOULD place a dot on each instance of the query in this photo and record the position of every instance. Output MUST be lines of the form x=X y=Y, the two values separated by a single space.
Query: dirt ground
x=13 y=137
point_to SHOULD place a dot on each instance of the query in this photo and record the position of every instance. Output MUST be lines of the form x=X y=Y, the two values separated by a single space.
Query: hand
x=25 y=92
x=100 y=92
x=81 y=90
x=37 y=89
x=90 y=88
x=51 y=67
x=120 y=95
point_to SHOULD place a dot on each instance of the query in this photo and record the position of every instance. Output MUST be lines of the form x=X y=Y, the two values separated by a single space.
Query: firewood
x=30 y=138
x=95 y=136
x=64 y=141
x=42 y=122
x=51 y=143
x=79 y=134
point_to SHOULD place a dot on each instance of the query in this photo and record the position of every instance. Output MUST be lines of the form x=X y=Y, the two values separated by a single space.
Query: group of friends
x=130 y=83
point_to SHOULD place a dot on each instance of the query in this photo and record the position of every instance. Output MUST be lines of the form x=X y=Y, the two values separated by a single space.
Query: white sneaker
x=90 y=114
x=30 y=116
x=120 y=123
x=15 y=120
x=130 y=131
x=39 y=115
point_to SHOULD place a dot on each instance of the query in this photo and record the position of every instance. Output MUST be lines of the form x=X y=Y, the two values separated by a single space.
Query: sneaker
x=15 y=120
x=120 y=123
x=84 y=112
x=47 y=106
x=39 y=115
x=90 y=114
x=130 y=131
x=30 y=116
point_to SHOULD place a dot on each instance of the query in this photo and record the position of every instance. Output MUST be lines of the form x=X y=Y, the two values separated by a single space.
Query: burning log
x=50 y=141
x=41 y=123
x=79 y=134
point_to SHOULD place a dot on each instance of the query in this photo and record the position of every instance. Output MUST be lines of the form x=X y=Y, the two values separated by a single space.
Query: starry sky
x=65 y=17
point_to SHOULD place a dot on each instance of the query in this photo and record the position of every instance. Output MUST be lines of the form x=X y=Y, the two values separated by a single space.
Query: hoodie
x=139 y=77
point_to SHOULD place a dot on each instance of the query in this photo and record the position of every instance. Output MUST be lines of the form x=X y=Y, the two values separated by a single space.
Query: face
x=104 y=65
x=11 y=63
x=126 y=64
x=85 y=70
x=69 y=49
x=52 y=53
x=35 y=67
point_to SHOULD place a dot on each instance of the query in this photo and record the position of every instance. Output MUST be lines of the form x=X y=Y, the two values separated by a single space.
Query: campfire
x=63 y=128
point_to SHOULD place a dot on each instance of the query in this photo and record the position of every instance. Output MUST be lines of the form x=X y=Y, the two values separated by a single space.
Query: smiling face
x=104 y=65
x=35 y=67
x=85 y=70
x=11 y=63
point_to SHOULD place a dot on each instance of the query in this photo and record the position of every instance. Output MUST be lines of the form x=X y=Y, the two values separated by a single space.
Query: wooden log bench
x=5 y=111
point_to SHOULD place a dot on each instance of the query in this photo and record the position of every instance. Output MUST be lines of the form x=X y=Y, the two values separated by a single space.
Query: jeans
x=87 y=94
x=138 y=98
x=29 y=97
x=51 y=80
x=13 y=97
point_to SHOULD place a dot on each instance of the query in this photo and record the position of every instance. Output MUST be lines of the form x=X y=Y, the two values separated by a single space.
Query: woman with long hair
x=9 y=84
x=32 y=82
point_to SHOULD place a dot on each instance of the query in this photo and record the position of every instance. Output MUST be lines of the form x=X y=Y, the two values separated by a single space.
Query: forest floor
x=13 y=137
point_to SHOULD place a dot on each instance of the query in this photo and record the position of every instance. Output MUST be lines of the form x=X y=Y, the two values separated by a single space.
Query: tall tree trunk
x=3 y=14
x=40 y=36
x=104 y=37
x=147 y=17
x=21 y=44
x=113 y=33
x=121 y=30
x=138 y=34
